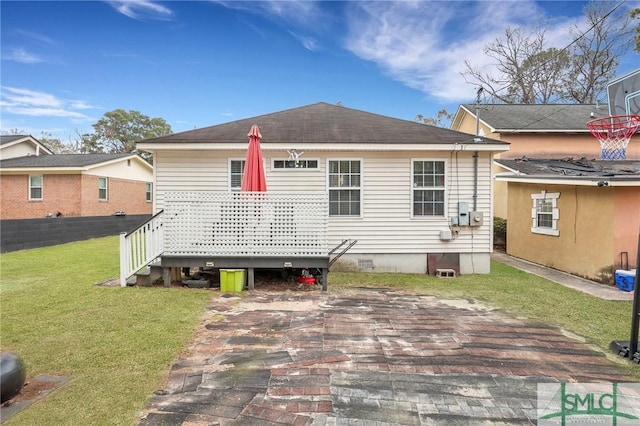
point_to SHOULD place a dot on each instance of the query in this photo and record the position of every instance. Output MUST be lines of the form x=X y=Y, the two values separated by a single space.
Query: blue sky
x=201 y=63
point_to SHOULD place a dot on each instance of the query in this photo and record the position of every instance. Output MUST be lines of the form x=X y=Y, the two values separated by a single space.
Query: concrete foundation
x=409 y=263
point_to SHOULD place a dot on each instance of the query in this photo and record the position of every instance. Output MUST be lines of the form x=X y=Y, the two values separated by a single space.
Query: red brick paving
x=286 y=365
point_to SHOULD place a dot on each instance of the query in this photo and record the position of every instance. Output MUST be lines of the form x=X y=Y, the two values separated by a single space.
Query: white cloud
x=292 y=11
x=424 y=44
x=22 y=56
x=141 y=9
x=78 y=104
x=308 y=43
x=17 y=96
x=305 y=15
x=33 y=103
x=37 y=37
x=301 y=11
x=44 y=112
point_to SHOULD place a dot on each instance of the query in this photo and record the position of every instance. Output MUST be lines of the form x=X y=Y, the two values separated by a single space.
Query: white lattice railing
x=245 y=224
x=140 y=247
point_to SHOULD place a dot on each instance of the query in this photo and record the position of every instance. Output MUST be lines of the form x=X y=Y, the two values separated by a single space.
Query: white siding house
x=14 y=146
x=402 y=189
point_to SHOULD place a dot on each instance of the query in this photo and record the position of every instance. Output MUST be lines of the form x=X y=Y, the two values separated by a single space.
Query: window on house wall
x=103 y=188
x=344 y=187
x=35 y=187
x=428 y=191
x=292 y=164
x=236 y=168
x=149 y=191
x=545 y=213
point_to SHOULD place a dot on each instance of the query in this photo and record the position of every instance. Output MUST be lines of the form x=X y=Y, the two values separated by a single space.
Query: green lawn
x=116 y=344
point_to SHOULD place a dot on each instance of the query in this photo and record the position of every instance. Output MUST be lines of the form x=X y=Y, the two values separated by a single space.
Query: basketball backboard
x=624 y=94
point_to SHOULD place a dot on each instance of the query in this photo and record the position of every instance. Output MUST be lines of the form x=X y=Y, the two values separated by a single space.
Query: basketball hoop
x=614 y=133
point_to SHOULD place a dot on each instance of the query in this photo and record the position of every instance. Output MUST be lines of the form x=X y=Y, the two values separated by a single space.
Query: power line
x=575 y=40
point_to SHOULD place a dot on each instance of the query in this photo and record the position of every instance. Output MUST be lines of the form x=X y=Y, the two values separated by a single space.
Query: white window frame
x=105 y=189
x=338 y=188
x=289 y=165
x=149 y=192
x=233 y=188
x=32 y=187
x=442 y=188
x=554 y=213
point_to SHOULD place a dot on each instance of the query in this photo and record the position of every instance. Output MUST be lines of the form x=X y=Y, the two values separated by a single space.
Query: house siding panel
x=131 y=169
x=17 y=150
x=386 y=224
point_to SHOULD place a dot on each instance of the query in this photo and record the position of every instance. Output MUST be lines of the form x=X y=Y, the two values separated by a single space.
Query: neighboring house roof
x=8 y=140
x=578 y=171
x=4 y=139
x=323 y=124
x=530 y=118
x=66 y=161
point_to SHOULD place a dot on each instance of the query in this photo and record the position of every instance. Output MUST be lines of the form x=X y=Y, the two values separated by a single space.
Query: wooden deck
x=236 y=230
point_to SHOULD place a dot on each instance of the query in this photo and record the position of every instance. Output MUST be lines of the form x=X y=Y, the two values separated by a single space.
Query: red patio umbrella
x=253 y=179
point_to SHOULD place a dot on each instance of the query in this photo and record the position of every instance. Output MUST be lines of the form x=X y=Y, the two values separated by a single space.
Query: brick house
x=36 y=183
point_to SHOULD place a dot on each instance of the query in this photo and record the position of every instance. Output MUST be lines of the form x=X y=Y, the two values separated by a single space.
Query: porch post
x=250 y=278
x=324 y=279
x=166 y=276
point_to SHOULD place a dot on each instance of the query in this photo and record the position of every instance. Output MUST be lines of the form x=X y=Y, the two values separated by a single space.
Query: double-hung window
x=344 y=187
x=545 y=213
x=428 y=188
x=236 y=168
x=103 y=188
x=35 y=187
x=149 y=191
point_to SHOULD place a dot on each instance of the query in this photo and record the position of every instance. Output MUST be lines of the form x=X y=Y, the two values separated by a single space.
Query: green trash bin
x=232 y=280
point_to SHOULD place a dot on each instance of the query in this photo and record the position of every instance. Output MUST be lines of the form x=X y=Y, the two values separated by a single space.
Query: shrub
x=500 y=232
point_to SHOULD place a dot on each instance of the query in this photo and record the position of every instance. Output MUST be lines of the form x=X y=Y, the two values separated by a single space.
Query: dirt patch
x=112 y=282
x=33 y=388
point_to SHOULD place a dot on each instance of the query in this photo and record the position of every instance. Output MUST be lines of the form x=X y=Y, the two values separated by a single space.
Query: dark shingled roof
x=10 y=138
x=573 y=167
x=539 y=117
x=60 y=160
x=323 y=123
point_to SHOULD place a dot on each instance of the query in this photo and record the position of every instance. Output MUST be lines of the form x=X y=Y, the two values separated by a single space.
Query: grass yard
x=116 y=344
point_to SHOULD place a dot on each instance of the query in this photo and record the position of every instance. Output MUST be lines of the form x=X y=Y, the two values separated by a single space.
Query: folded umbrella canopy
x=253 y=178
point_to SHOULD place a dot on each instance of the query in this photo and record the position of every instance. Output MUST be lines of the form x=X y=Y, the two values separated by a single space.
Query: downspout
x=475 y=181
x=476 y=139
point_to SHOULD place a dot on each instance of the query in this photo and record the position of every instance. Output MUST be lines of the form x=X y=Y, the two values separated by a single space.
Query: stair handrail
x=141 y=246
x=145 y=223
